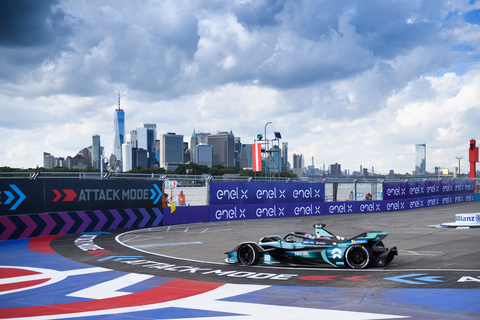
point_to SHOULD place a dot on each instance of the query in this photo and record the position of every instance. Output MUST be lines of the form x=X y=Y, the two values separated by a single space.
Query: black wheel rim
x=357 y=257
x=246 y=255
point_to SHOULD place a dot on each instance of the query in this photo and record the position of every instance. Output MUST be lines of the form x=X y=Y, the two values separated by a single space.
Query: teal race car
x=322 y=247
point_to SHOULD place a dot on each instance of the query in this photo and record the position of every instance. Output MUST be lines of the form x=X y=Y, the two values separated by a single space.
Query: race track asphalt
x=178 y=272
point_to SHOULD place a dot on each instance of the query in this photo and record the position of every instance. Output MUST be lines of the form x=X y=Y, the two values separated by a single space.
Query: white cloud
x=352 y=83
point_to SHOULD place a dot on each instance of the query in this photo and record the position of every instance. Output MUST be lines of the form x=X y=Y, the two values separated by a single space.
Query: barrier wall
x=32 y=208
x=86 y=205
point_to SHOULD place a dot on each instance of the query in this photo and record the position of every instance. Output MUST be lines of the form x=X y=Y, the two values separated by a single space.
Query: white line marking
x=109 y=289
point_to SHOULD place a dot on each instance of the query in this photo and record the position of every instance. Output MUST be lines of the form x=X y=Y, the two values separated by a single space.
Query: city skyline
x=353 y=83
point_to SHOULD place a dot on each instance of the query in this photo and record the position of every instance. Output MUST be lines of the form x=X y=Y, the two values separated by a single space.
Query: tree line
x=183 y=169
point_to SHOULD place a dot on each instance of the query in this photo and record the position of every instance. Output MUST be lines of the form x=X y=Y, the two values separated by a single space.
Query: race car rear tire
x=248 y=255
x=358 y=257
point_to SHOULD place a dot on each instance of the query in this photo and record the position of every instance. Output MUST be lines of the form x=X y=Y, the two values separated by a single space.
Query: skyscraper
x=127 y=157
x=151 y=138
x=119 y=130
x=223 y=144
x=298 y=164
x=203 y=154
x=96 y=151
x=284 y=157
x=171 y=150
x=48 y=161
x=420 y=158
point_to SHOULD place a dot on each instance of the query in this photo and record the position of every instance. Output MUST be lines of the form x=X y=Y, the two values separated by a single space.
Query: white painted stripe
x=109 y=289
x=165 y=244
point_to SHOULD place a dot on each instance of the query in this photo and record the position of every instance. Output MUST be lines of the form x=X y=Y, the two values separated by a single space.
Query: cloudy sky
x=352 y=82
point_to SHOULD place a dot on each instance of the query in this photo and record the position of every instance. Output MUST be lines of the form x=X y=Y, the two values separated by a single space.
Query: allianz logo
x=307 y=210
x=270 y=212
x=232 y=194
x=371 y=207
x=396 y=191
x=341 y=208
x=465 y=219
x=230 y=214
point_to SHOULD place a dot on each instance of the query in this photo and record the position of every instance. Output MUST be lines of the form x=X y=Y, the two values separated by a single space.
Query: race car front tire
x=358 y=257
x=248 y=255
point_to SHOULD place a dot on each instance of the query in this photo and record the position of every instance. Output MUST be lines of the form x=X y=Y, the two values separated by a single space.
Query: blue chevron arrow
x=159 y=194
x=153 y=194
x=431 y=279
x=20 y=199
x=10 y=197
x=403 y=280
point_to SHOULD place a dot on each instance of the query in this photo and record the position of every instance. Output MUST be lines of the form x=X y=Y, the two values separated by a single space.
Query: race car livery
x=300 y=248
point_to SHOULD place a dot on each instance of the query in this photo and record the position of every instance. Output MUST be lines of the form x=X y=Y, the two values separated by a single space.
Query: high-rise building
x=119 y=130
x=420 y=158
x=202 y=137
x=48 y=160
x=134 y=139
x=335 y=170
x=223 y=144
x=298 y=165
x=237 y=152
x=171 y=151
x=127 y=157
x=151 y=138
x=193 y=143
x=203 y=154
x=246 y=157
x=96 y=151
x=284 y=166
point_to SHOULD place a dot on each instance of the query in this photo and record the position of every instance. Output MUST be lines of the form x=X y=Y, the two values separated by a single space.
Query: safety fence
x=33 y=204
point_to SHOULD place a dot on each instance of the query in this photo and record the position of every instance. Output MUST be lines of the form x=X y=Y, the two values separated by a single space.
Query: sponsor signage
x=60 y=195
x=409 y=190
x=267 y=210
x=228 y=193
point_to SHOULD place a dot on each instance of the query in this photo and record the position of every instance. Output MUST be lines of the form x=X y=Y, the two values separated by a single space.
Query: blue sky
x=349 y=82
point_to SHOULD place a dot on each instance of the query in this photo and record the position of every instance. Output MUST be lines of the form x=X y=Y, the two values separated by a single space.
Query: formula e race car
x=362 y=251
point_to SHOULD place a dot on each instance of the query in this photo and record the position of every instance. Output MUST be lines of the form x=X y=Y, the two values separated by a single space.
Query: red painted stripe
x=20 y=285
x=41 y=244
x=16 y=272
x=173 y=290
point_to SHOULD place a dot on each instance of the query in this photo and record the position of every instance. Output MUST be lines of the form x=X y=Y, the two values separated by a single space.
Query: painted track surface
x=178 y=272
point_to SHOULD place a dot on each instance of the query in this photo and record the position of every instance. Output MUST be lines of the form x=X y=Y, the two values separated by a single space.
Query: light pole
x=459 y=164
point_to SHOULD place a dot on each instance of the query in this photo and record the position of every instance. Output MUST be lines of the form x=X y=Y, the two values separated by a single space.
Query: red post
x=473 y=158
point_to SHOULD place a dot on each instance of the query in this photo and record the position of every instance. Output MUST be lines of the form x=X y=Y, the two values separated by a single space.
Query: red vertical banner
x=257 y=156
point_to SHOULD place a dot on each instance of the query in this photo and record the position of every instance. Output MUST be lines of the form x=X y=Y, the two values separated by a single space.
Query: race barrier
x=31 y=208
